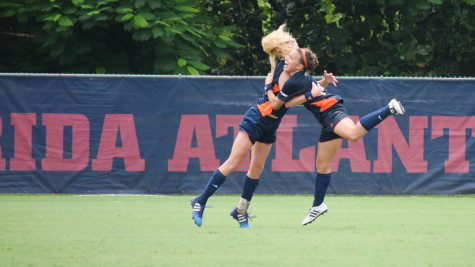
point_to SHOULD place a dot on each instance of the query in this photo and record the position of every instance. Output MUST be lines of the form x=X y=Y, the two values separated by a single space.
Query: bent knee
x=354 y=138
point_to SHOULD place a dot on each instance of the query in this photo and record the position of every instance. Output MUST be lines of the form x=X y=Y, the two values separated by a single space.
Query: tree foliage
x=113 y=36
x=248 y=18
x=401 y=38
x=375 y=37
x=385 y=37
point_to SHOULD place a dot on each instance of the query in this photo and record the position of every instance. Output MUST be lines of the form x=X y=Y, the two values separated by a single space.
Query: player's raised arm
x=327 y=79
x=317 y=91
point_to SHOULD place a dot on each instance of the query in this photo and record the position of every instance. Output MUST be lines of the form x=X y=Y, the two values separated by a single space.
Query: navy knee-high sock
x=371 y=120
x=216 y=180
x=249 y=187
x=321 y=185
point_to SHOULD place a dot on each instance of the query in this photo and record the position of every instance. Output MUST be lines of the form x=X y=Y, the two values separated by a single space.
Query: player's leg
x=354 y=132
x=259 y=153
x=326 y=152
x=347 y=129
x=241 y=147
x=370 y=121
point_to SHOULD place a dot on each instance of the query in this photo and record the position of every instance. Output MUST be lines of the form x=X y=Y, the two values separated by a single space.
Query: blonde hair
x=277 y=44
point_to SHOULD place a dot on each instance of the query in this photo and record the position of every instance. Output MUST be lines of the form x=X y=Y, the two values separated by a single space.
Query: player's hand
x=269 y=78
x=317 y=90
x=329 y=78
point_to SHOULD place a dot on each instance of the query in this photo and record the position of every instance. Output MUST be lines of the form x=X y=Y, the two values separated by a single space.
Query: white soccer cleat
x=314 y=213
x=396 y=107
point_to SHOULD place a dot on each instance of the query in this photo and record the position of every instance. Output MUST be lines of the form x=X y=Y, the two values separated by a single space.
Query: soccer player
x=330 y=112
x=257 y=132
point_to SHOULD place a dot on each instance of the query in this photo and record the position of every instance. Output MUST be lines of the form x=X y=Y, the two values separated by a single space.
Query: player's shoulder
x=302 y=78
x=280 y=64
x=302 y=75
x=291 y=83
x=279 y=68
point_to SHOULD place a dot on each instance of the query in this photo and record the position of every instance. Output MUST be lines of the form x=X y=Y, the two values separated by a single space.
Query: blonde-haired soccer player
x=257 y=131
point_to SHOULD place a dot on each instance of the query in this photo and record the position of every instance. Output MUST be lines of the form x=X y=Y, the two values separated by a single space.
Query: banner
x=167 y=134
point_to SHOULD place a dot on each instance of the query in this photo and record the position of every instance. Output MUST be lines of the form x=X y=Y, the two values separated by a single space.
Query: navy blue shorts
x=329 y=119
x=258 y=128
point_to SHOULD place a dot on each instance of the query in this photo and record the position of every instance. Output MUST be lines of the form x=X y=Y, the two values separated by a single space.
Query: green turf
x=68 y=230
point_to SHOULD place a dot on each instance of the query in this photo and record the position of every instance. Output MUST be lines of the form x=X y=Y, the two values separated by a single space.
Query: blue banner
x=167 y=134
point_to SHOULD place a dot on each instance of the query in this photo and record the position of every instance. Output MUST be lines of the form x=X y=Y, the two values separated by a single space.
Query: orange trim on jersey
x=276 y=88
x=265 y=108
x=324 y=104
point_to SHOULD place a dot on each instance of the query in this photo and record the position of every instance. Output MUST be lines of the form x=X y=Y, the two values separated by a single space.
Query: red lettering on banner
x=55 y=124
x=411 y=155
x=2 y=160
x=355 y=153
x=23 y=145
x=223 y=122
x=129 y=151
x=190 y=124
x=457 y=126
x=283 y=150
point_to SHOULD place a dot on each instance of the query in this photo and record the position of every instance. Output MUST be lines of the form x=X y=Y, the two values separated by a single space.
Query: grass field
x=141 y=230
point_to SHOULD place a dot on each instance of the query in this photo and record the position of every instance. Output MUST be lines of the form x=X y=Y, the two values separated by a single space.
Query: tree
x=223 y=37
x=386 y=37
x=248 y=17
x=110 y=36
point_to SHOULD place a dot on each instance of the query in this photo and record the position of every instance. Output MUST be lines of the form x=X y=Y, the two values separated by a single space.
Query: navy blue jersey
x=329 y=110
x=322 y=103
x=298 y=84
x=260 y=122
x=263 y=103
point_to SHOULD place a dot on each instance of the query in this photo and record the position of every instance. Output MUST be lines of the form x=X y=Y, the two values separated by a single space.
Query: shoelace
x=249 y=217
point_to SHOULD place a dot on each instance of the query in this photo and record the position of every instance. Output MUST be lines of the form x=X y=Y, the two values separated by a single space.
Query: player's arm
x=315 y=92
x=275 y=102
x=327 y=79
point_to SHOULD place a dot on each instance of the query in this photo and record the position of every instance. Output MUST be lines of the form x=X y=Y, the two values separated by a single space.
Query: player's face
x=292 y=62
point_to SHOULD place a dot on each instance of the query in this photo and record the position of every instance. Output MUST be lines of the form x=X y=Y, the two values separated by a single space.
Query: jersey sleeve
x=288 y=91
x=295 y=87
